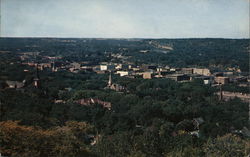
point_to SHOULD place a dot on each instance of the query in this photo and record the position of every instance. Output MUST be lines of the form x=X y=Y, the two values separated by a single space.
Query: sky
x=125 y=18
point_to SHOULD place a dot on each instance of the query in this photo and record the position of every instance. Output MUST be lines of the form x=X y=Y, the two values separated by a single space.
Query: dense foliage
x=153 y=119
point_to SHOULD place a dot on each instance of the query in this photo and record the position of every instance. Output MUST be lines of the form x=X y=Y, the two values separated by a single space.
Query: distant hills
x=208 y=52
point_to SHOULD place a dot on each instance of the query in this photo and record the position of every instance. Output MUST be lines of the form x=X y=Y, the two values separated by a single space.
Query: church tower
x=110 y=80
x=36 y=80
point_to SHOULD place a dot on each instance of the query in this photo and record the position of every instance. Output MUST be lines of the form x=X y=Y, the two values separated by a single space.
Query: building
x=148 y=67
x=172 y=69
x=217 y=74
x=92 y=101
x=179 y=77
x=163 y=69
x=205 y=72
x=41 y=66
x=147 y=75
x=114 y=86
x=57 y=65
x=221 y=80
x=131 y=66
x=228 y=73
x=75 y=65
x=107 y=67
x=123 y=73
x=15 y=84
x=87 y=68
x=207 y=81
x=187 y=70
x=117 y=87
x=122 y=67
x=238 y=79
x=225 y=95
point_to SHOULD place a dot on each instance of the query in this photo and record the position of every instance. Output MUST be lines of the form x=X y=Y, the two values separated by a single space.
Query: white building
x=207 y=82
x=107 y=67
x=123 y=73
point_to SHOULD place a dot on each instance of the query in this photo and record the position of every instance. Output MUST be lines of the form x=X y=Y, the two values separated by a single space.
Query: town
x=99 y=96
x=118 y=65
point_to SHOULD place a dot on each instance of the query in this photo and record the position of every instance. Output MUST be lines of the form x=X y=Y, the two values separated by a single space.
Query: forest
x=205 y=52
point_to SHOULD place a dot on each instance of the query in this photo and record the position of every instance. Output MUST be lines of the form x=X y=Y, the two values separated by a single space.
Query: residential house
x=92 y=101
x=15 y=84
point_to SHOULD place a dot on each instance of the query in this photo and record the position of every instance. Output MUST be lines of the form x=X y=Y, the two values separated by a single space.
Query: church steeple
x=37 y=78
x=110 y=80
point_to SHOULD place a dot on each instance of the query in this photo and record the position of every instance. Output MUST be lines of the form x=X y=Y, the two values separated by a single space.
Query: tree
x=227 y=146
x=18 y=140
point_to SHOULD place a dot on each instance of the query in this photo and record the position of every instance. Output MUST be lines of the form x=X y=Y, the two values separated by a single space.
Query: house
x=221 y=80
x=15 y=84
x=92 y=101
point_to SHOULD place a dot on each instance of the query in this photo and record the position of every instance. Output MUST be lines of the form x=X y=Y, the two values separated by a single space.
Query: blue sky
x=125 y=18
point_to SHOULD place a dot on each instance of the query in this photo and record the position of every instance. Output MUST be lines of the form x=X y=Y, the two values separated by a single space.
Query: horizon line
x=51 y=37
